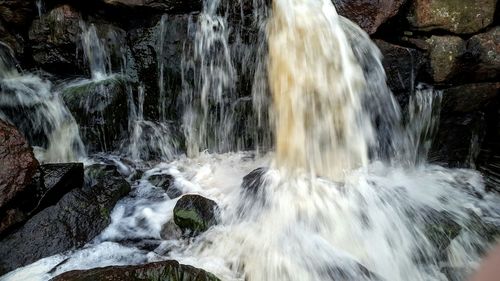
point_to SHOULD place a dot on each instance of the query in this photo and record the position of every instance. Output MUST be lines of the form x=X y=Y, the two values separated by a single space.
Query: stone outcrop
x=159 y=271
x=54 y=38
x=456 y=16
x=78 y=216
x=50 y=183
x=17 y=163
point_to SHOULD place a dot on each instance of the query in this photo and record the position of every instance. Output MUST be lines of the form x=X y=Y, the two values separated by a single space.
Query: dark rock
x=50 y=183
x=15 y=43
x=195 y=213
x=458 y=138
x=164 y=5
x=78 y=217
x=368 y=14
x=457 y=16
x=470 y=98
x=445 y=57
x=17 y=13
x=157 y=47
x=54 y=39
x=484 y=55
x=166 y=182
x=402 y=66
x=159 y=271
x=101 y=110
x=17 y=163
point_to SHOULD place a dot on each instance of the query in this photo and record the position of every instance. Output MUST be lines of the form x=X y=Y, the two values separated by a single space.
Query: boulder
x=163 y=5
x=195 y=213
x=457 y=16
x=445 y=54
x=49 y=184
x=17 y=163
x=54 y=39
x=483 y=52
x=101 y=110
x=78 y=217
x=368 y=14
x=158 y=271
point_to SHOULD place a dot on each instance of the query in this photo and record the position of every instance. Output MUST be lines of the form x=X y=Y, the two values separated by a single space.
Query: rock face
x=164 y=5
x=195 y=213
x=101 y=111
x=159 y=50
x=159 y=271
x=457 y=16
x=368 y=14
x=78 y=217
x=49 y=184
x=17 y=163
x=402 y=66
x=468 y=113
x=54 y=38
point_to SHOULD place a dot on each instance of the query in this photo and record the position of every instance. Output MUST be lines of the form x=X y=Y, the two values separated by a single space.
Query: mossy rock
x=101 y=110
x=195 y=213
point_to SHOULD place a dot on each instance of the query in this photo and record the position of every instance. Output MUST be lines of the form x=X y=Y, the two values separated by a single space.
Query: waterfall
x=31 y=104
x=96 y=54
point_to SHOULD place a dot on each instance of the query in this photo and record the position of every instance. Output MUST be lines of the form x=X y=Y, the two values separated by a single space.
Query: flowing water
x=340 y=197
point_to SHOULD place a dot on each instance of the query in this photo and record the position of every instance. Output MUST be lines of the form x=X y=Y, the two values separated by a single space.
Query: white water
x=32 y=105
x=325 y=206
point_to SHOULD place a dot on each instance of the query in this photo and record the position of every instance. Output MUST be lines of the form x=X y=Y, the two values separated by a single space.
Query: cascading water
x=348 y=194
x=45 y=120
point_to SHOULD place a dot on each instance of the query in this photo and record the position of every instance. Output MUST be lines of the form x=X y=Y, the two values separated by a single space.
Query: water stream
x=339 y=197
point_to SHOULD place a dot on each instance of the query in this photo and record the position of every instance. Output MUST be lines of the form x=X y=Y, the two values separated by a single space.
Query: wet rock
x=368 y=14
x=445 y=57
x=195 y=213
x=164 y=5
x=157 y=47
x=78 y=217
x=457 y=16
x=159 y=271
x=54 y=39
x=17 y=163
x=458 y=139
x=484 y=55
x=48 y=185
x=101 y=111
x=468 y=126
x=166 y=182
x=402 y=66
x=17 y=13
x=470 y=97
